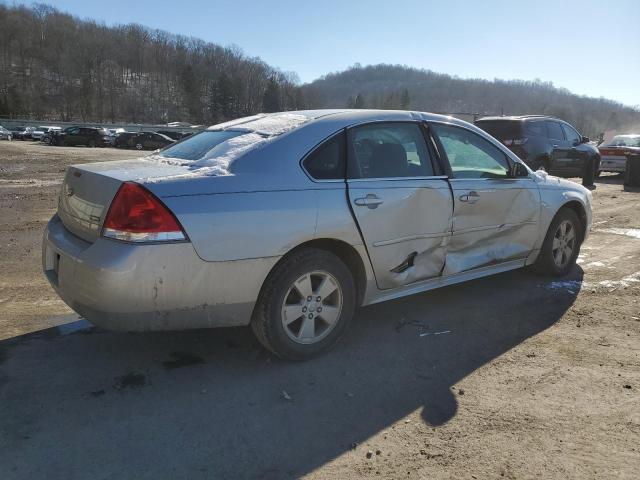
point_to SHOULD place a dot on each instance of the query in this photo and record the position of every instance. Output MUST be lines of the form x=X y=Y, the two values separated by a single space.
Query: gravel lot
x=534 y=378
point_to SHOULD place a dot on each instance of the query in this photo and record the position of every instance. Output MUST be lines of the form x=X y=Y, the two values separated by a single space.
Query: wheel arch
x=341 y=249
x=580 y=211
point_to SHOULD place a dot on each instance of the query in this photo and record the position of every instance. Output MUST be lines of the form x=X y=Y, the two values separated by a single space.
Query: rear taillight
x=515 y=142
x=137 y=215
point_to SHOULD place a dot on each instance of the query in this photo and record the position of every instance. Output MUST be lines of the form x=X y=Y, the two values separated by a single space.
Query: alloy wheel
x=564 y=243
x=312 y=307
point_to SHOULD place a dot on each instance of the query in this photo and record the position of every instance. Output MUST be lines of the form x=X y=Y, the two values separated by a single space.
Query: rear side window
x=470 y=155
x=327 y=161
x=388 y=150
x=536 y=129
x=555 y=131
x=501 y=129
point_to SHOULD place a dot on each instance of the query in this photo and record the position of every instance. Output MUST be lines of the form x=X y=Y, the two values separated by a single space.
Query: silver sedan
x=290 y=221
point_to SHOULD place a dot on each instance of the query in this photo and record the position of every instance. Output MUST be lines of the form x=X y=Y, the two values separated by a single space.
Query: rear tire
x=139 y=146
x=561 y=245
x=91 y=144
x=305 y=305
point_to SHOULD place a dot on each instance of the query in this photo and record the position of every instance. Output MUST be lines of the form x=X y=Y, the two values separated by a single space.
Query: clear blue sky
x=591 y=47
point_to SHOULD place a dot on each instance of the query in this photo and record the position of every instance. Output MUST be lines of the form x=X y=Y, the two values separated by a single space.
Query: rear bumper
x=613 y=164
x=121 y=286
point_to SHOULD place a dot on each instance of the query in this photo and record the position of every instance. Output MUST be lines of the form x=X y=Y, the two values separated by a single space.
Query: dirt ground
x=534 y=378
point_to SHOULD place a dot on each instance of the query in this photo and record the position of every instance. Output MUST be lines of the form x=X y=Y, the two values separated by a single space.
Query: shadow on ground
x=210 y=404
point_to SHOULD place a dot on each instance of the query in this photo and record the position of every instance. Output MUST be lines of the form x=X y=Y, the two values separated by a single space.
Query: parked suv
x=88 y=136
x=544 y=142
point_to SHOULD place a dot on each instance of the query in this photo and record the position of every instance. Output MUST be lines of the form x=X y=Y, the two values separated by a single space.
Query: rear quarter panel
x=242 y=225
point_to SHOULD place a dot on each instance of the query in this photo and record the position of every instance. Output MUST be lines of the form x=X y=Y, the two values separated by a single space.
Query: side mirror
x=585 y=140
x=518 y=170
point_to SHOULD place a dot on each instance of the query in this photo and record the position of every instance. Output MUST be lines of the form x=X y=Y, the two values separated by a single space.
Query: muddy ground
x=535 y=378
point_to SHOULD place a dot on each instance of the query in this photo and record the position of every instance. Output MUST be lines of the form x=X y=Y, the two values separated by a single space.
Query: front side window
x=327 y=161
x=388 y=150
x=555 y=131
x=469 y=155
x=572 y=136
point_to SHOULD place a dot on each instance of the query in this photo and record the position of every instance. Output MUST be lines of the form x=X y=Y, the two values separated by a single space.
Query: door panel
x=561 y=155
x=406 y=224
x=494 y=221
x=495 y=215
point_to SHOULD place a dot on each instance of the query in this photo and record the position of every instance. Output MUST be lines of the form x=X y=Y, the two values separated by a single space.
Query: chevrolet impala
x=290 y=221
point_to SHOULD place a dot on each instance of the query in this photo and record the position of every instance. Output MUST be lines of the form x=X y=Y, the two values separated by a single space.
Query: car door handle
x=370 y=201
x=471 y=197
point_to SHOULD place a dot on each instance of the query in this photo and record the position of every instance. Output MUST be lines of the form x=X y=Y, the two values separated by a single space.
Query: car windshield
x=623 y=141
x=501 y=129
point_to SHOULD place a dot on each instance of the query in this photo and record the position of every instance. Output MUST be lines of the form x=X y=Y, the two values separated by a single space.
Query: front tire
x=561 y=245
x=139 y=146
x=305 y=305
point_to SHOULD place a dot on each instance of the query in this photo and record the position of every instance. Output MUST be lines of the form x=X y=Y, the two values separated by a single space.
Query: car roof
x=518 y=118
x=338 y=118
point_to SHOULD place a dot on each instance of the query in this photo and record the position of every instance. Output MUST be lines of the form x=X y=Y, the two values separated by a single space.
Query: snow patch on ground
x=627 y=281
x=628 y=232
x=595 y=264
x=28 y=183
x=570 y=285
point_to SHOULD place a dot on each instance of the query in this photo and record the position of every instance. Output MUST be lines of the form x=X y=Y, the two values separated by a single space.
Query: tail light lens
x=515 y=142
x=137 y=215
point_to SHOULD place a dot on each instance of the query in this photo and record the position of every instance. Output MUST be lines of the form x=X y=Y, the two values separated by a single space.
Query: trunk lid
x=87 y=191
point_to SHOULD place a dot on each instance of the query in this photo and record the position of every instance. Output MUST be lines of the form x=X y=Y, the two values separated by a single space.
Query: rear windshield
x=501 y=129
x=621 y=141
x=200 y=145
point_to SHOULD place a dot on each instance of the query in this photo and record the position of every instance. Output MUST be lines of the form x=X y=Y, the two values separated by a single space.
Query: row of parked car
x=94 y=137
x=541 y=141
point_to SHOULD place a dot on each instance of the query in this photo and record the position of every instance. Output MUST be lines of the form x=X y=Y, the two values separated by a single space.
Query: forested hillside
x=55 y=66
x=401 y=87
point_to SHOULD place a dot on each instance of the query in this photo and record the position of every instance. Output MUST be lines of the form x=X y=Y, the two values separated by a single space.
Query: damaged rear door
x=495 y=215
x=402 y=204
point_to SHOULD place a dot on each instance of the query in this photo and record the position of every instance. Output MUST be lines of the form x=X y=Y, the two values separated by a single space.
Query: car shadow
x=84 y=403
x=610 y=179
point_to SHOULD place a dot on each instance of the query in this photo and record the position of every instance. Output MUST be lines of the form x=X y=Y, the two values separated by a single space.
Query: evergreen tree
x=271 y=101
x=405 y=101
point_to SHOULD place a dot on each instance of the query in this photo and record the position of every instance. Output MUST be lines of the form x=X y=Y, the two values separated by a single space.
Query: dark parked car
x=544 y=142
x=124 y=139
x=21 y=133
x=150 y=141
x=88 y=136
x=174 y=135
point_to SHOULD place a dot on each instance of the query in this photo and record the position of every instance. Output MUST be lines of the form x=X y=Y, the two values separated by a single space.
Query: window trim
x=316 y=147
x=425 y=136
x=564 y=124
x=451 y=177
